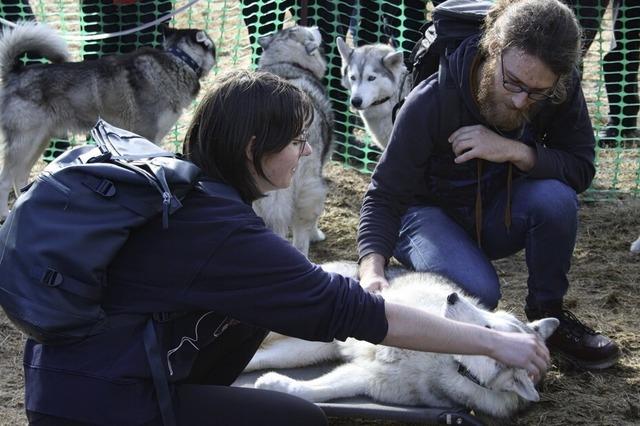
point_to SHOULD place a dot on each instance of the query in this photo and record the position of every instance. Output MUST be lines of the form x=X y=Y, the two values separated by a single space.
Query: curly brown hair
x=546 y=29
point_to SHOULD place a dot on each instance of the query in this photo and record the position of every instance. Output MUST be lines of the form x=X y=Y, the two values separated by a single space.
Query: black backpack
x=66 y=227
x=452 y=22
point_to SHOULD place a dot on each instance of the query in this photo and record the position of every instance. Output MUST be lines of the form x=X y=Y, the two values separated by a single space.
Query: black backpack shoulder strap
x=159 y=374
x=450 y=102
x=218 y=189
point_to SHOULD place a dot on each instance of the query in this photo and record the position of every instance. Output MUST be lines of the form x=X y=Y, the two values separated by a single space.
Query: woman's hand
x=522 y=350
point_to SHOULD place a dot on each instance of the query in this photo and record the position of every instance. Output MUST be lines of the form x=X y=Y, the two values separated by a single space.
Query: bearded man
x=454 y=191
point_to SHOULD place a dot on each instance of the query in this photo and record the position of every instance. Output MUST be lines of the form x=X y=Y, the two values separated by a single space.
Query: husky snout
x=356 y=102
x=452 y=298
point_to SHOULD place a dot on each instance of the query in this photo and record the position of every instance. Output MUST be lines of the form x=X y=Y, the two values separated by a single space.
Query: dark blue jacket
x=417 y=167
x=215 y=256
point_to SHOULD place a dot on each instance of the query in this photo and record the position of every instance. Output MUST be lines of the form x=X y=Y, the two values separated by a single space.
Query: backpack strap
x=158 y=372
x=218 y=189
x=450 y=104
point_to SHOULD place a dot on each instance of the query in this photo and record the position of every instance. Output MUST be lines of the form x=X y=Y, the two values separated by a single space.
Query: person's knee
x=553 y=202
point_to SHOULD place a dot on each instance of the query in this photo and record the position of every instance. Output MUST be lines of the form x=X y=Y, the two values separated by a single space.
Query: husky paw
x=278 y=382
x=317 y=235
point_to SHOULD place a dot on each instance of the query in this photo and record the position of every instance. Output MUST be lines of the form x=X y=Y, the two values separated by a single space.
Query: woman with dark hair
x=229 y=279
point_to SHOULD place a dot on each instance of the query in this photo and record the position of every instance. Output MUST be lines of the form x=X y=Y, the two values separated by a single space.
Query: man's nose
x=521 y=100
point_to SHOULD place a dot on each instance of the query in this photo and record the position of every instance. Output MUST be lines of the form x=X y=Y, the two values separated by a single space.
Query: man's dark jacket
x=417 y=167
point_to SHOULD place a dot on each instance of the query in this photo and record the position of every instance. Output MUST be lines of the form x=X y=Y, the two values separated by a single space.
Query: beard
x=493 y=106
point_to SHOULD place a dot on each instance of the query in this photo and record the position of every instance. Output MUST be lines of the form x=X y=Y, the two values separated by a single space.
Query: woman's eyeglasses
x=302 y=141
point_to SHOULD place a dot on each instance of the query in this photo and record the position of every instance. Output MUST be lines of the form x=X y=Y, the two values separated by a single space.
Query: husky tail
x=29 y=36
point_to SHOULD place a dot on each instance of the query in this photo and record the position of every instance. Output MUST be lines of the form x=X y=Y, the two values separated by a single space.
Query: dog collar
x=182 y=55
x=464 y=372
x=381 y=101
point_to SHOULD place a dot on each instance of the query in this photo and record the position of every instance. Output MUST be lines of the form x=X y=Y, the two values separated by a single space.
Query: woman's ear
x=249 y=149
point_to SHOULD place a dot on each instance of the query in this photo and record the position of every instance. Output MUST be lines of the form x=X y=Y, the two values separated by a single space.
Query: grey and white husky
x=405 y=377
x=377 y=80
x=144 y=91
x=295 y=54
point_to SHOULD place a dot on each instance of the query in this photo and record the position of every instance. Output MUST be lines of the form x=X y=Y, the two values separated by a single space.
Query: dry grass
x=603 y=292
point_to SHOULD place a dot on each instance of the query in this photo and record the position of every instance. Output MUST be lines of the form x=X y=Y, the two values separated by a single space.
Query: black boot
x=581 y=345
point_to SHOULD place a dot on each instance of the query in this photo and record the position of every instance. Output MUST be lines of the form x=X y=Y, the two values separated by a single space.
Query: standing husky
x=377 y=80
x=143 y=91
x=294 y=54
x=400 y=376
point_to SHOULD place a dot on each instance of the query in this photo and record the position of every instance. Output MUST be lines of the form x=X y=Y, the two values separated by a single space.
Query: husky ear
x=265 y=40
x=344 y=49
x=545 y=327
x=393 y=60
x=203 y=38
x=521 y=384
x=316 y=34
x=166 y=30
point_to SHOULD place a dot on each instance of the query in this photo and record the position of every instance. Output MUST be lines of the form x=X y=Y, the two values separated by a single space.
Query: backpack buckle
x=51 y=278
x=102 y=158
x=105 y=187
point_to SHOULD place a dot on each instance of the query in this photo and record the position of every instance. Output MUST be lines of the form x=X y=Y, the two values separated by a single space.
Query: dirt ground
x=604 y=292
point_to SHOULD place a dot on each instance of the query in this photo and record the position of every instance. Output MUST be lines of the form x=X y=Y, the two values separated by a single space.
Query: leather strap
x=507 y=209
x=478 y=206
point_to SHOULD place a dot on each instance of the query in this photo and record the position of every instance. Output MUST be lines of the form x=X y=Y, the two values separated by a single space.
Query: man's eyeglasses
x=516 y=88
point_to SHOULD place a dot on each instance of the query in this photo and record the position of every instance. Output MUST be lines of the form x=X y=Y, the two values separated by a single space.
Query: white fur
x=406 y=377
x=373 y=73
x=294 y=54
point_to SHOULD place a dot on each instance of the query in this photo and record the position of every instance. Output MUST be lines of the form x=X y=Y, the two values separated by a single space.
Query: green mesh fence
x=610 y=65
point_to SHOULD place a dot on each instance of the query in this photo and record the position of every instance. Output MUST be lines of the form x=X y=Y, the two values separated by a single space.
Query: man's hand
x=477 y=141
x=371 y=273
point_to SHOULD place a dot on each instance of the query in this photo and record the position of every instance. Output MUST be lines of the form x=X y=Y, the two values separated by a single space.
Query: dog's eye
x=487 y=326
x=371 y=78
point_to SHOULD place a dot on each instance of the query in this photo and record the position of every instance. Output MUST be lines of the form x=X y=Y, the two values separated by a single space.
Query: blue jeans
x=544 y=222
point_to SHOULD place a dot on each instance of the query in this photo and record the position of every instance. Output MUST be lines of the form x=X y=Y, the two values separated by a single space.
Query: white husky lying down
x=400 y=376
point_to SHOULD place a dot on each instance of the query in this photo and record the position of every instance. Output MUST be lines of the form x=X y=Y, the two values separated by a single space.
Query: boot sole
x=588 y=365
